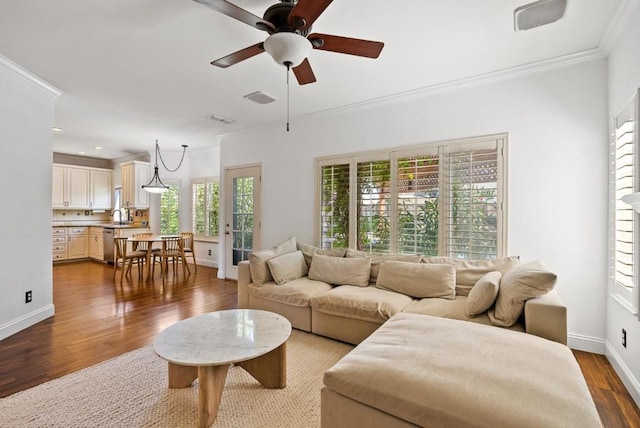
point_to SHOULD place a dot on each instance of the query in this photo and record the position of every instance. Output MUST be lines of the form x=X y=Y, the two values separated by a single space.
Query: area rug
x=132 y=391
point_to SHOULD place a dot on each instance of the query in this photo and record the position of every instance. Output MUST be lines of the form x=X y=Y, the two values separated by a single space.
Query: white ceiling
x=133 y=71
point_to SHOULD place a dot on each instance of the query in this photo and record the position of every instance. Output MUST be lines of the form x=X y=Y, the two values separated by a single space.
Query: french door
x=242 y=216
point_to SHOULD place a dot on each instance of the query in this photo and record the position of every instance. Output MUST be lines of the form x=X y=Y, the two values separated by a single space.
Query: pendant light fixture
x=156 y=185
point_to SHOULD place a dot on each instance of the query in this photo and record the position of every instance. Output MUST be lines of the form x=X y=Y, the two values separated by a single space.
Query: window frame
x=442 y=148
x=205 y=180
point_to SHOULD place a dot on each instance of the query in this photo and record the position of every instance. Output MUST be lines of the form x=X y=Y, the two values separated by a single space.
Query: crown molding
x=28 y=76
x=621 y=20
x=511 y=73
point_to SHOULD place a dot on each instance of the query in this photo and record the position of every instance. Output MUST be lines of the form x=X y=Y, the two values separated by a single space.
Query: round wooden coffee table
x=205 y=346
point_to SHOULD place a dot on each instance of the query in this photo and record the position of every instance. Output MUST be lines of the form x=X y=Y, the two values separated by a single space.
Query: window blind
x=334 y=205
x=625 y=178
x=373 y=183
x=472 y=201
x=169 y=210
x=418 y=179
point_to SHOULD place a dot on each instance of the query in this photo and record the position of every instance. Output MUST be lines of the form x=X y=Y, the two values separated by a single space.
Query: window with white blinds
x=169 y=210
x=444 y=199
x=625 y=178
x=206 y=207
x=334 y=205
x=472 y=201
x=374 y=190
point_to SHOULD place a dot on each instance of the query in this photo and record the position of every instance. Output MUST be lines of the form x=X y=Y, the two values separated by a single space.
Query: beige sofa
x=350 y=313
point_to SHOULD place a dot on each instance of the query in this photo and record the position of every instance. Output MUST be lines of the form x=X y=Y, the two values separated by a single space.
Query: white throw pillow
x=309 y=250
x=483 y=294
x=418 y=279
x=288 y=267
x=258 y=260
x=340 y=270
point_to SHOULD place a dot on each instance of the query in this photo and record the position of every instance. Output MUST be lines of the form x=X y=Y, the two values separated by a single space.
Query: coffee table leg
x=181 y=376
x=269 y=369
x=211 y=381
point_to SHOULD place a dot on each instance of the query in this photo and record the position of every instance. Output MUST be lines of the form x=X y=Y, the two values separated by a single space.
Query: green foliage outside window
x=206 y=208
x=169 y=211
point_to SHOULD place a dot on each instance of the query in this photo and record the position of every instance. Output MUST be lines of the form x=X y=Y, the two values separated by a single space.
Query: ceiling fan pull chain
x=288 y=64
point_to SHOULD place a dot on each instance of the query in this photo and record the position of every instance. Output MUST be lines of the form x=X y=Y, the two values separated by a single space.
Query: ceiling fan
x=289 y=43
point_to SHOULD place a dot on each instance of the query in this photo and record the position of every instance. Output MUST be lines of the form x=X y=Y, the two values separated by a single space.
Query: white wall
x=26 y=119
x=557 y=126
x=624 y=81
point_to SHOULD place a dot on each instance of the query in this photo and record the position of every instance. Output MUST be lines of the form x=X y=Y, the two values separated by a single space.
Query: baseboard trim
x=25 y=321
x=627 y=378
x=207 y=263
x=579 y=342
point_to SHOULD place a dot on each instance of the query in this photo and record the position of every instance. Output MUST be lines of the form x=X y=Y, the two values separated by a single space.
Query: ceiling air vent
x=539 y=13
x=260 y=97
x=221 y=119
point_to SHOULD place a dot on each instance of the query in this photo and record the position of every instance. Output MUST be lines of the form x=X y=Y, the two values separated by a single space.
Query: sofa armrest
x=546 y=316
x=244 y=279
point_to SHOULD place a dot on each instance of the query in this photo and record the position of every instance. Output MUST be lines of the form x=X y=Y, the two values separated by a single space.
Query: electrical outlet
x=209 y=252
x=624 y=337
x=28 y=296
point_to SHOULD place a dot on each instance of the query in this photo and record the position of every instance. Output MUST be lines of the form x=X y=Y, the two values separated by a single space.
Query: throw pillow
x=378 y=258
x=340 y=270
x=258 y=260
x=418 y=280
x=309 y=250
x=288 y=267
x=483 y=294
x=517 y=286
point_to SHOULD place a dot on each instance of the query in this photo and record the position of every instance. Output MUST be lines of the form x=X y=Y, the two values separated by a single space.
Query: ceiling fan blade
x=346 y=45
x=305 y=13
x=241 y=55
x=238 y=13
x=304 y=73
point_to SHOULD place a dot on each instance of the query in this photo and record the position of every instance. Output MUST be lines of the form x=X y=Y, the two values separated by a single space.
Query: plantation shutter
x=418 y=184
x=472 y=203
x=213 y=208
x=199 y=209
x=169 y=210
x=334 y=205
x=625 y=178
x=373 y=183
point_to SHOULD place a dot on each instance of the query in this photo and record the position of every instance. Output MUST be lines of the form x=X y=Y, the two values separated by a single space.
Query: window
x=206 y=207
x=624 y=179
x=170 y=210
x=444 y=199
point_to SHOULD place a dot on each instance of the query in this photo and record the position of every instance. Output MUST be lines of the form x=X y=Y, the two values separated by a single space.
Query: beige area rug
x=131 y=391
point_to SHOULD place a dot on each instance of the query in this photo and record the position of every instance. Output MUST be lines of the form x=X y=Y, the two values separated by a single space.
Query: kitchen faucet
x=120 y=211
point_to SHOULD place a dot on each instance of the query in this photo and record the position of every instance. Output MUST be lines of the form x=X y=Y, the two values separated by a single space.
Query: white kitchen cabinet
x=81 y=188
x=59 y=243
x=77 y=242
x=130 y=231
x=134 y=175
x=101 y=189
x=96 y=240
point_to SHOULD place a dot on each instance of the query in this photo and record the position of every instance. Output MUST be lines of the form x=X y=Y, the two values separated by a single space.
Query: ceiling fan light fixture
x=287 y=48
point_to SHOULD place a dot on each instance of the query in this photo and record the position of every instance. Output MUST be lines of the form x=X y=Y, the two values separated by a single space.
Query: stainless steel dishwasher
x=108 y=244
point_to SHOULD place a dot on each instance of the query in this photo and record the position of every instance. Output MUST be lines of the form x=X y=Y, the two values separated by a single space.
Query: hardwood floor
x=96 y=320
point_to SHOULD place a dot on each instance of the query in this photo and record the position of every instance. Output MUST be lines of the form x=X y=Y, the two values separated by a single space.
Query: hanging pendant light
x=156 y=185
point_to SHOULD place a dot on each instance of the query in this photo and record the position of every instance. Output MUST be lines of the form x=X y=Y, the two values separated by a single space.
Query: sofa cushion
x=418 y=279
x=297 y=292
x=287 y=267
x=309 y=250
x=258 y=260
x=378 y=258
x=524 y=282
x=445 y=308
x=483 y=294
x=340 y=270
x=468 y=272
x=434 y=372
x=363 y=303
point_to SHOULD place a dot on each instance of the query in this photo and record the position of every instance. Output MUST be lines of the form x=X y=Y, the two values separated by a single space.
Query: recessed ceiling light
x=221 y=119
x=539 y=13
x=97 y=147
x=55 y=128
x=81 y=153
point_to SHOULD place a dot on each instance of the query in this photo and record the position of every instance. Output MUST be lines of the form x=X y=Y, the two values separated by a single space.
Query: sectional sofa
x=347 y=295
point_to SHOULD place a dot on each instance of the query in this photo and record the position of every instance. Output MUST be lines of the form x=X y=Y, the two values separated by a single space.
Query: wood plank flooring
x=96 y=320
